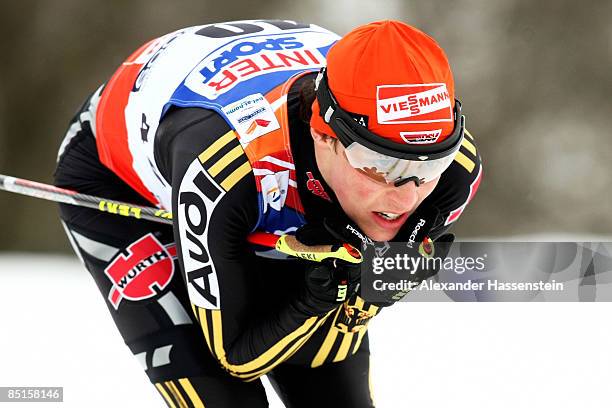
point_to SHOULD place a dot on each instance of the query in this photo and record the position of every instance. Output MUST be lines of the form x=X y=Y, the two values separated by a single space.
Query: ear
x=321 y=140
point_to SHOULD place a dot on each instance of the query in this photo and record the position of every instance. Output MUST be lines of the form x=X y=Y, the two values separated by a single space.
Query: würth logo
x=146 y=265
x=418 y=103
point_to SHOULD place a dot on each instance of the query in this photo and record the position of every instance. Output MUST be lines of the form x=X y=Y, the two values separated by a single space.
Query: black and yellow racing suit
x=215 y=358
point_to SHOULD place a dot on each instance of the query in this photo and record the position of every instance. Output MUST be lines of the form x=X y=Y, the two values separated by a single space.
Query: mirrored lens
x=390 y=169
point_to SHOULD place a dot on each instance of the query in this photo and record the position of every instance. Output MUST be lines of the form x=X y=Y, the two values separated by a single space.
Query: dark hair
x=307 y=97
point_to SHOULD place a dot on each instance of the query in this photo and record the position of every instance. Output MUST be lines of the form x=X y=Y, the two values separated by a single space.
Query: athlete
x=254 y=134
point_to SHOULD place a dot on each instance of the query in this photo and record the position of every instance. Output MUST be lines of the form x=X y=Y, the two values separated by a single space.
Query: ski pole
x=61 y=195
x=286 y=244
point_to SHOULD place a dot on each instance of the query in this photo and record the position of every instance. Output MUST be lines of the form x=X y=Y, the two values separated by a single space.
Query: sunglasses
x=380 y=158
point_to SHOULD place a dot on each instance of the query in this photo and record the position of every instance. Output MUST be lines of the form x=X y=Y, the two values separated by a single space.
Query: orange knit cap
x=393 y=78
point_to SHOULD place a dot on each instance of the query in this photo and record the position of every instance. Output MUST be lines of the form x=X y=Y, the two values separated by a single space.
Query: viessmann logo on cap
x=414 y=103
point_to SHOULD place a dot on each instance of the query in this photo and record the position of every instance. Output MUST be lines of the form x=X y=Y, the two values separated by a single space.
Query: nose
x=403 y=198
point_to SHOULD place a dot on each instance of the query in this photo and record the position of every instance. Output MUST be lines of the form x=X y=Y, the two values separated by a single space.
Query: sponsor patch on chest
x=252 y=117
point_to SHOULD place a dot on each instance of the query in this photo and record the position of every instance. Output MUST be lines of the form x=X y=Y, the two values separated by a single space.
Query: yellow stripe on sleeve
x=191 y=392
x=463 y=160
x=163 y=392
x=469 y=146
x=177 y=394
x=344 y=347
x=372 y=310
x=327 y=345
x=359 y=302
x=217 y=336
x=204 y=323
x=236 y=176
x=216 y=146
x=195 y=312
x=270 y=358
x=265 y=357
x=225 y=161
x=468 y=134
x=292 y=350
x=359 y=340
x=347 y=338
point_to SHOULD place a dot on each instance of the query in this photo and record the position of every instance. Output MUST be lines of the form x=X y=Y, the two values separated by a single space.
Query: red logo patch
x=315 y=187
x=148 y=265
x=417 y=103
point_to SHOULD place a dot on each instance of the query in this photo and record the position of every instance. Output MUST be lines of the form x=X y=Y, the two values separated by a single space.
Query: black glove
x=333 y=280
x=436 y=250
x=413 y=240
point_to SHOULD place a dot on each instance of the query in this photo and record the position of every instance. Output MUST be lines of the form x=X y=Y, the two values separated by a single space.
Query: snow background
x=424 y=354
x=476 y=355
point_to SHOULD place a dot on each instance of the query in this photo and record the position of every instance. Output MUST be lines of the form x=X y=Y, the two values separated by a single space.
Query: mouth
x=388 y=215
x=388 y=219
